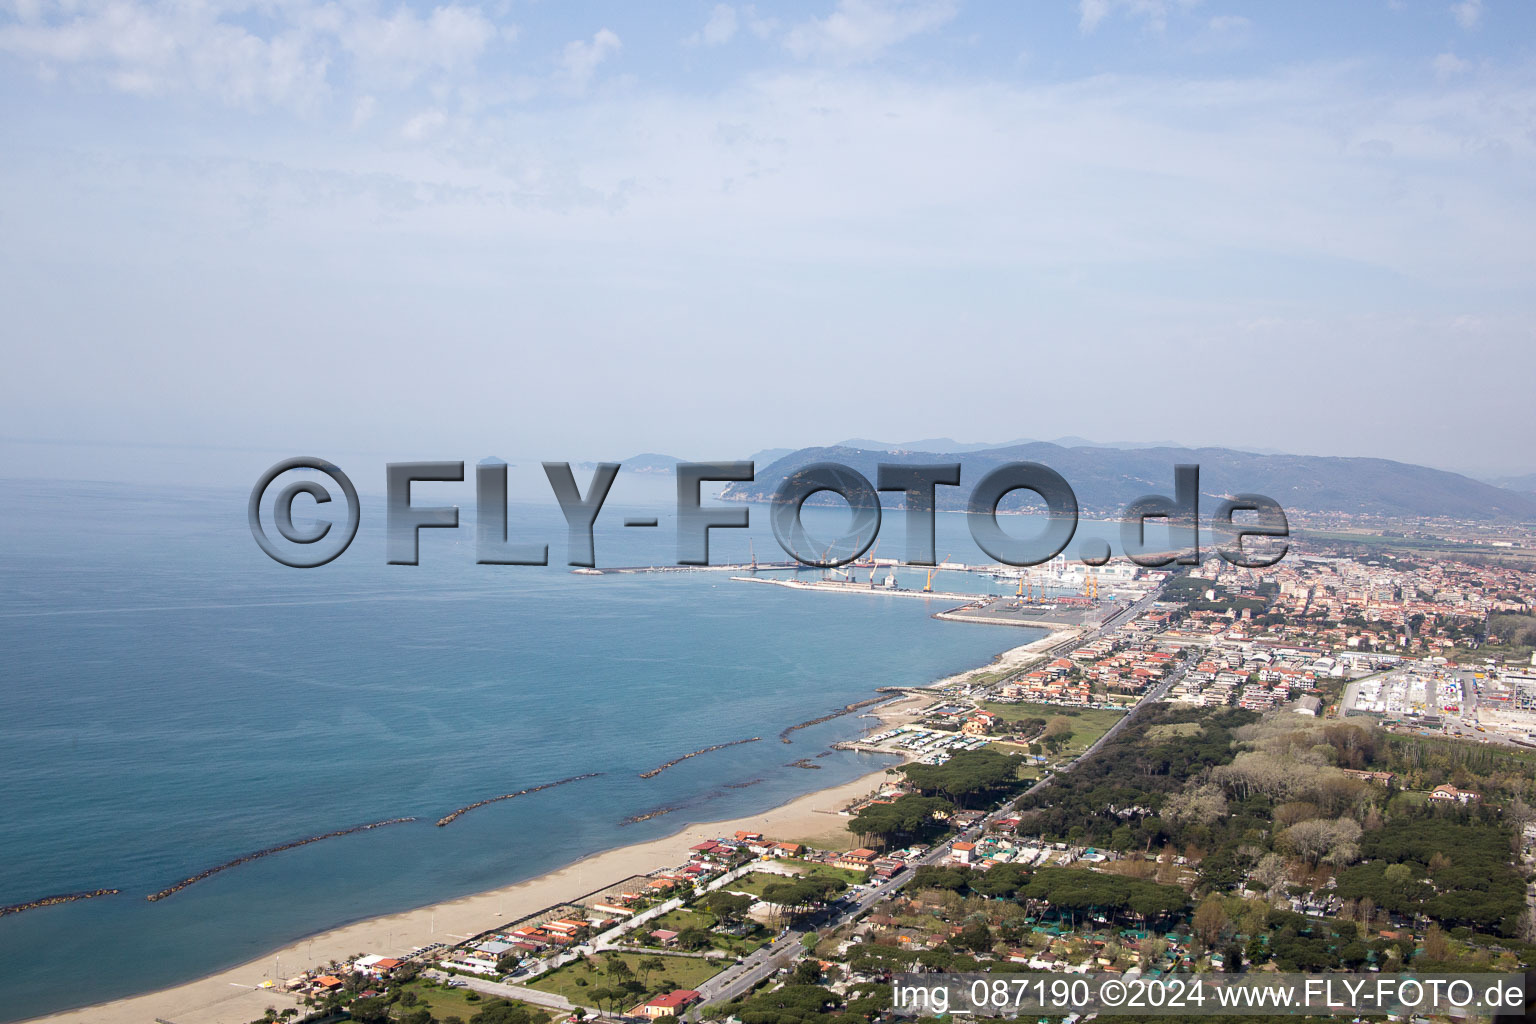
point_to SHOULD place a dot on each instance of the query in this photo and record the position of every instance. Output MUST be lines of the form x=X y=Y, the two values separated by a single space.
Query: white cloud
x=1153 y=14
x=1448 y=65
x=762 y=26
x=1468 y=13
x=718 y=30
x=301 y=51
x=157 y=48
x=1091 y=13
x=423 y=125
x=859 y=30
x=1223 y=32
x=403 y=46
x=580 y=59
x=1055 y=226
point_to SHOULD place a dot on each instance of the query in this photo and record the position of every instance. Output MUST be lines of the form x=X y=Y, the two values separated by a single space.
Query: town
x=1317 y=766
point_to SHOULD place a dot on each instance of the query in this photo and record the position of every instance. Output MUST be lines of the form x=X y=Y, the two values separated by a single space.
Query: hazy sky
x=578 y=230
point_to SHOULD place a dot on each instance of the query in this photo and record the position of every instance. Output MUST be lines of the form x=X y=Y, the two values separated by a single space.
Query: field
x=681 y=919
x=834 y=837
x=1028 y=771
x=755 y=882
x=1088 y=724
x=576 y=980
x=454 y=1002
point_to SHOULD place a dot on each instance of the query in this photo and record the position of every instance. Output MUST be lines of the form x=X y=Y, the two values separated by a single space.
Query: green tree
x=618 y=969
x=910 y=817
x=693 y=939
x=975 y=936
x=728 y=907
x=649 y=964
x=968 y=777
x=373 y=1010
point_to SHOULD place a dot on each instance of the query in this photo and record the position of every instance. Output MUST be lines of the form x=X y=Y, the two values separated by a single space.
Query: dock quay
x=1052 y=614
x=954 y=615
x=742 y=567
x=839 y=587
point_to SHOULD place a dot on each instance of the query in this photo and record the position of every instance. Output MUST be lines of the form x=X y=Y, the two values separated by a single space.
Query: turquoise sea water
x=173 y=699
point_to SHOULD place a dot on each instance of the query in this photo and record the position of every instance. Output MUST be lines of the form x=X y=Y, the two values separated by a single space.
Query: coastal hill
x=1106 y=479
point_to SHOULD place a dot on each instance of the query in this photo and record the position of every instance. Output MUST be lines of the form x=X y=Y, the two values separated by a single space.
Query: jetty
x=703 y=750
x=448 y=818
x=53 y=901
x=269 y=851
x=847 y=709
x=647 y=816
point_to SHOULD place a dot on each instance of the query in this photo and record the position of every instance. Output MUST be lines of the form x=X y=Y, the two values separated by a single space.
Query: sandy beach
x=234 y=996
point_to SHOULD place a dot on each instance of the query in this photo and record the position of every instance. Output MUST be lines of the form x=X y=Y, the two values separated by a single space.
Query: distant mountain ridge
x=1521 y=484
x=1107 y=479
x=949 y=444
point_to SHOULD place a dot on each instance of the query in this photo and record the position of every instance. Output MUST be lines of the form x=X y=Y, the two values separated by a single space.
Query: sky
x=233 y=229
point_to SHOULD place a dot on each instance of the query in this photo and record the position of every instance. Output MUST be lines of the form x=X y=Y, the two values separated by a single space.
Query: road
x=743 y=977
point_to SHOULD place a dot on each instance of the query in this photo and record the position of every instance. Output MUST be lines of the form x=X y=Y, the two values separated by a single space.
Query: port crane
x=928 y=586
x=833 y=570
x=872 y=566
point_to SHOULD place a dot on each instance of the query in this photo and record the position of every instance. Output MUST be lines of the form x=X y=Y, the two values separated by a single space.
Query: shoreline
x=234 y=995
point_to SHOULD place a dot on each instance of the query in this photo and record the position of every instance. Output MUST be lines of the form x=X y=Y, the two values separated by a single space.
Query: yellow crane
x=928 y=586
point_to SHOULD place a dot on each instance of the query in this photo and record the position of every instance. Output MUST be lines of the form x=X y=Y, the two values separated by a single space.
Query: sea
x=174 y=699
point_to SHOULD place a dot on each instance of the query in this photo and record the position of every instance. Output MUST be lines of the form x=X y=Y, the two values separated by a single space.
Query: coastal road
x=745 y=976
x=741 y=978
